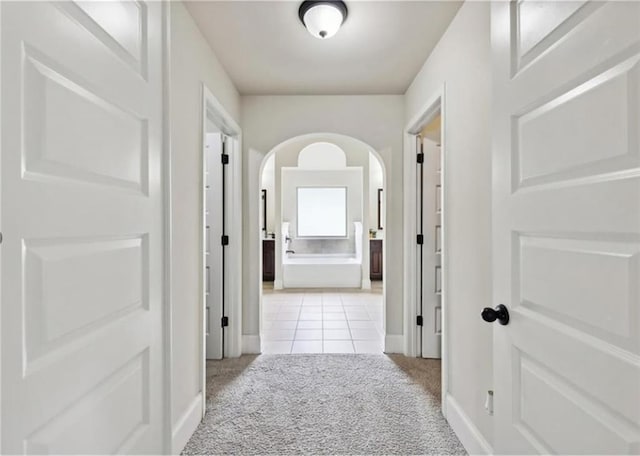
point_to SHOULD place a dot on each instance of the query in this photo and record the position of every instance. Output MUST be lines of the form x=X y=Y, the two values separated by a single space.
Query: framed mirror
x=264 y=210
x=380 y=207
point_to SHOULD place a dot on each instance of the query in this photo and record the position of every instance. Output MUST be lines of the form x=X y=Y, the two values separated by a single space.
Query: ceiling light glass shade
x=323 y=19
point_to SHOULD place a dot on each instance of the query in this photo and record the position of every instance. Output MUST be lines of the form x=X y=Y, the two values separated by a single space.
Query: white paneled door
x=82 y=217
x=430 y=251
x=567 y=226
x=214 y=292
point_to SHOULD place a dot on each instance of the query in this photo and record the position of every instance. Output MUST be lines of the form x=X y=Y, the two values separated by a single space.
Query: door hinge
x=225 y=321
x=225 y=159
x=421 y=157
x=225 y=239
x=419 y=320
x=420 y=239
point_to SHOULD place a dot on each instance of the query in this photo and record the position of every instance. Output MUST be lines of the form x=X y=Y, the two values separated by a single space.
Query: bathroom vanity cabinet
x=375 y=259
x=268 y=260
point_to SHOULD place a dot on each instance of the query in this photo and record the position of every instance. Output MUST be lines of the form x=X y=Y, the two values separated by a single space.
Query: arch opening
x=296 y=163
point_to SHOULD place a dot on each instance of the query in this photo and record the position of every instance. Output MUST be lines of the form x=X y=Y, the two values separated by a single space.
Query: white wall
x=462 y=60
x=377 y=120
x=192 y=62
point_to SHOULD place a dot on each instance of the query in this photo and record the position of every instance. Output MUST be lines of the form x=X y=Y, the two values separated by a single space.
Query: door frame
x=436 y=104
x=167 y=165
x=214 y=111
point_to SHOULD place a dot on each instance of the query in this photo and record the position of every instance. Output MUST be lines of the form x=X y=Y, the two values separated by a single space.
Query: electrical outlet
x=488 y=403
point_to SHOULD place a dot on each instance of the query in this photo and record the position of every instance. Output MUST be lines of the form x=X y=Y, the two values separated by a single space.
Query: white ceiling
x=266 y=50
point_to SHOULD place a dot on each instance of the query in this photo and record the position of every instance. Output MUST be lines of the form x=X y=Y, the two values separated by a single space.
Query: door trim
x=214 y=111
x=436 y=103
x=168 y=217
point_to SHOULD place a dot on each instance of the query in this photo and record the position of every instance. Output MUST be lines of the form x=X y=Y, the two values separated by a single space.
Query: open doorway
x=322 y=209
x=426 y=269
x=220 y=238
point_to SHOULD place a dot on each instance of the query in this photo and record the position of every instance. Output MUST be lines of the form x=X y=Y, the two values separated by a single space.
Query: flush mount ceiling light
x=322 y=18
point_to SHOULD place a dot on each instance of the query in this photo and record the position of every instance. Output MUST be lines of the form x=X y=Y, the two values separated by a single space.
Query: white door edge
x=168 y=273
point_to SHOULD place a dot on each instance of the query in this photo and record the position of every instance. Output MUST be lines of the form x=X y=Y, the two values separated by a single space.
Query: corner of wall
x=186 y=425
x=251 y=344
x=469 y=435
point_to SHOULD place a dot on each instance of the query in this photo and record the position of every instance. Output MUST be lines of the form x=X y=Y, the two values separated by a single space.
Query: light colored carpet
x=323 y=404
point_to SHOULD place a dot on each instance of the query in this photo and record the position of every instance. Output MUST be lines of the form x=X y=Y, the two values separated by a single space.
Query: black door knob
x=500 y=313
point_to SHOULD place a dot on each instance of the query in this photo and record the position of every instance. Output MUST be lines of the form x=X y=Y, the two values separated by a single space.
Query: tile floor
x=328 y=321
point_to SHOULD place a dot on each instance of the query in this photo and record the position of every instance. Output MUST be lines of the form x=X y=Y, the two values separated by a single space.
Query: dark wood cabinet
x=375 y=259
x=268 y=260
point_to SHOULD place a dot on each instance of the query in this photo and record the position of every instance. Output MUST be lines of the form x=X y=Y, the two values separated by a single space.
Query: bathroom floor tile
x=290 y=306
x=308 y=334
x=270 y=316
x=362 y=324
x=288 y=315
x=311 y=309
x=358 y=315
x=365 y=334
x=368 y=346
x=338 y=346
x=309 y=324
x=276 y=347
x=310 y=316
x=307 y=346
x=333 y=316
x=332 y=308
x=335 y=324
x=280 y=324
x=336 y=334
x=278 y=334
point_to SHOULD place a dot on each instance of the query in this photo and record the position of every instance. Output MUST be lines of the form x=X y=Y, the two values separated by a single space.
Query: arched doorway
x=318 y=292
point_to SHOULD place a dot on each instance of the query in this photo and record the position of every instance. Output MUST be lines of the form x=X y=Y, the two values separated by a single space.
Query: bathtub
x=333 y=270
x=321 y=271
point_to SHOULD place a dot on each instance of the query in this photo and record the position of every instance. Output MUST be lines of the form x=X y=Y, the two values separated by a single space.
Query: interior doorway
x=426 y=228
x=322 y=218
x=221 y=220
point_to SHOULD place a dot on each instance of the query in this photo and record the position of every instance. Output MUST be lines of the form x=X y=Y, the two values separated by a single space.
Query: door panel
x=213 y=263
x=567 y=226
x=82 y=217
x=431 y=250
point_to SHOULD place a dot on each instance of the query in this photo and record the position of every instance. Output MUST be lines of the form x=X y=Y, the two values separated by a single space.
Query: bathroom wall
x=351 y=178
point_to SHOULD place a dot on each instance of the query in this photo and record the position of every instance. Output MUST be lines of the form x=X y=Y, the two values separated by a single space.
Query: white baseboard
x=393 y=344
x=186 y=425
x=366 y=284
x=251 y=345
x=469 y=435
x=277 y=285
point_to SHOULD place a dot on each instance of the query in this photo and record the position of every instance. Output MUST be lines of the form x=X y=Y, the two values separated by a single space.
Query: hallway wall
x=192 y=62
x=462 y=61
x=377 y=120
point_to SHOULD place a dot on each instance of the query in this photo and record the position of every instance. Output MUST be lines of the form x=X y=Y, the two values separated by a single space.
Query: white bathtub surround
x=327 y=270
